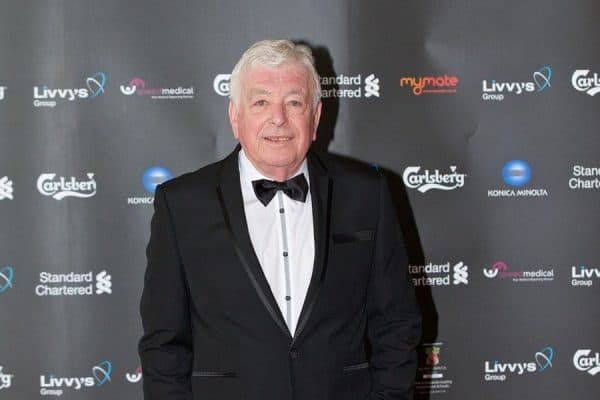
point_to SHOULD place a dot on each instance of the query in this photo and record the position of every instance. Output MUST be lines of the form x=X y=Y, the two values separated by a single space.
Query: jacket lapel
x=320 y=191
x=232 y=206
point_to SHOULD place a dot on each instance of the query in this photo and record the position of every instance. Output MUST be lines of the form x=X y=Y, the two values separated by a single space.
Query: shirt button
x=288 y=298
x=281 y=211
x=285 y=253
x=295 y=353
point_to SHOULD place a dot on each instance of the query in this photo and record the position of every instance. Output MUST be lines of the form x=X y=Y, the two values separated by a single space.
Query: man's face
x=275 y=121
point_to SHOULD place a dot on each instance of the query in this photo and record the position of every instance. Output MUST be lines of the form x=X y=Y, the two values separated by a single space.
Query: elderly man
x=277 y=273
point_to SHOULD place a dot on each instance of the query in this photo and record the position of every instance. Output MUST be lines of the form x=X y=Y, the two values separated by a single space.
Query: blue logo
x=544 y=358
x=516 y=173
x=154 y=176
x=96 y=84
x=542 y=78
x=102 y=372
x=6 y=278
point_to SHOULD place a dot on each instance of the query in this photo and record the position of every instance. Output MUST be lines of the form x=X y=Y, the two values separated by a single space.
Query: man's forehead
x=259 y=77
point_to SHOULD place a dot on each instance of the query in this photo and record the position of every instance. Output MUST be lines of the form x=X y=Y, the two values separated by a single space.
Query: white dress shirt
x=283 y=239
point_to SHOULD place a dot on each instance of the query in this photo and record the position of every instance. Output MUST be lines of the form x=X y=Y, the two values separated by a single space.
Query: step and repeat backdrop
x=483 y=115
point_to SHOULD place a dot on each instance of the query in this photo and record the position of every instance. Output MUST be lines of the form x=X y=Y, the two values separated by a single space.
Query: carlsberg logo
x=427 y=180
x=62 y=187
x=584 y=361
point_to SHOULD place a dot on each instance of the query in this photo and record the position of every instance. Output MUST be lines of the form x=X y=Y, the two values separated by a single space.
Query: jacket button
x=295 y=353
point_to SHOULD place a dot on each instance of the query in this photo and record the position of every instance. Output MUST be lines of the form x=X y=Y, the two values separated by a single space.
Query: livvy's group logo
x=584 y=178
x=60 y=187
x=350 y=86
x=5 y=379
x=441 y=84
x=499 y=371
x=497 y=90
x=6 y=278
x=517 y=174
x=45 y=96
x=151 y=178
x=426 y=180
x=447 y=274
x=53 y=385
x=584 y=276
x=585 y=82
x=74 y=284
x=6 y=188
x=138 y=87
x=586 y=361
x=501 y=271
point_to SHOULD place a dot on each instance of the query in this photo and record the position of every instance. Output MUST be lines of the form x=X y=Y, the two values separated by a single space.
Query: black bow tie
x=295 y=188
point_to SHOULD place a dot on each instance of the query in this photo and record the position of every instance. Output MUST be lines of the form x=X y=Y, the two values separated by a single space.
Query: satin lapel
x=232 y=205
x=320 y=191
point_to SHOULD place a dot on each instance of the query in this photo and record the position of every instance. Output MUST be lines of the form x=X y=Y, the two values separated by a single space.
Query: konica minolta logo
x=58 y=188
x=426 y=180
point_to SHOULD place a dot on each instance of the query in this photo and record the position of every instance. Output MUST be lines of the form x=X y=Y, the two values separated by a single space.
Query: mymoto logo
x=51 y=385
x=498 y=371
x=445 y=84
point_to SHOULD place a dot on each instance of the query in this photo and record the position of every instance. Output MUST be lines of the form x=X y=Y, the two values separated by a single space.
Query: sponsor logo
x=138 y=87
x=6 y=278
x=431 y=372
x=6 y=188
x=44 y=96
x=350 y=86
x=5 y=379
x=74 y=284
x=496 y=90
x=151 y=178
x=135 y=377
x=585 y=361
x=517 y=174
x=62 y=187
x=584 y=276
x=51 y=385
x=439 y=274
x=443 y=84
x=585 y=178
x=221 y=84
x=584 y=83
x=499 y=371
x=2 y=92
x=427 y=180
x=501 y=271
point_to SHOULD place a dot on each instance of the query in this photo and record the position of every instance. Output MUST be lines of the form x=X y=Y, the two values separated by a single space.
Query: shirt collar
x=249 y=173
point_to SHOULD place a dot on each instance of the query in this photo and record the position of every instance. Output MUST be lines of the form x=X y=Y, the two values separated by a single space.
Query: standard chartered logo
x=461 y=274
x=371 y=86
x=74 y=284
x=6 y=188
x=439 y=274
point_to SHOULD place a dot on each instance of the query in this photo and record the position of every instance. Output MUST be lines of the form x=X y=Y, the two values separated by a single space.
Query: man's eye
x=260 y=103
x=296 y=103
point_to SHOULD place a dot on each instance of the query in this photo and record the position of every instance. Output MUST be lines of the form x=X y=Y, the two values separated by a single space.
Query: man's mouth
x=278 y=139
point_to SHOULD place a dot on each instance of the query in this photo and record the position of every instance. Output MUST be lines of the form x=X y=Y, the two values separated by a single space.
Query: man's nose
x=278 y=114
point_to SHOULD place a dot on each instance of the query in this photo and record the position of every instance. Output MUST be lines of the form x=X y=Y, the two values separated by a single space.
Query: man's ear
x=317 y=117
x=233 y=118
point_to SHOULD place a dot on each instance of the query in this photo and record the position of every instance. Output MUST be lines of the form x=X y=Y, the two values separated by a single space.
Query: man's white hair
x=273 y=53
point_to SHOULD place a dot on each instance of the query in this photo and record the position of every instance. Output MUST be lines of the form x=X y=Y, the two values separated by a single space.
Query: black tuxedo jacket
x=212 y=329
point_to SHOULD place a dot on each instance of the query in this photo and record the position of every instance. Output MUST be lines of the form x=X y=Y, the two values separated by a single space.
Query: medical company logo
x=74 y=284
x=5 y=379
x=584 y=178
x=51 y=385
x=151 y=178
x=2 y=92
x=6 y=278
x=45 y=96
x=221 y=84
x=431 y=372
x=585 y=361
x=496 y=90
x=439 y=274
x=427 y=180
x=138 y=87
x=501 y=271
x=6 y=188
x=135 y=377
x=442 y=84
x=584 y=83
x=350 y=86
x=499 y=371
x=59 y=188
x=584 y=276
x=516 y=174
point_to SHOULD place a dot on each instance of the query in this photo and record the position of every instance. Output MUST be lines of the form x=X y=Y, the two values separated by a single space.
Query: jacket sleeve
x=394 y=318
x=166 y=346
